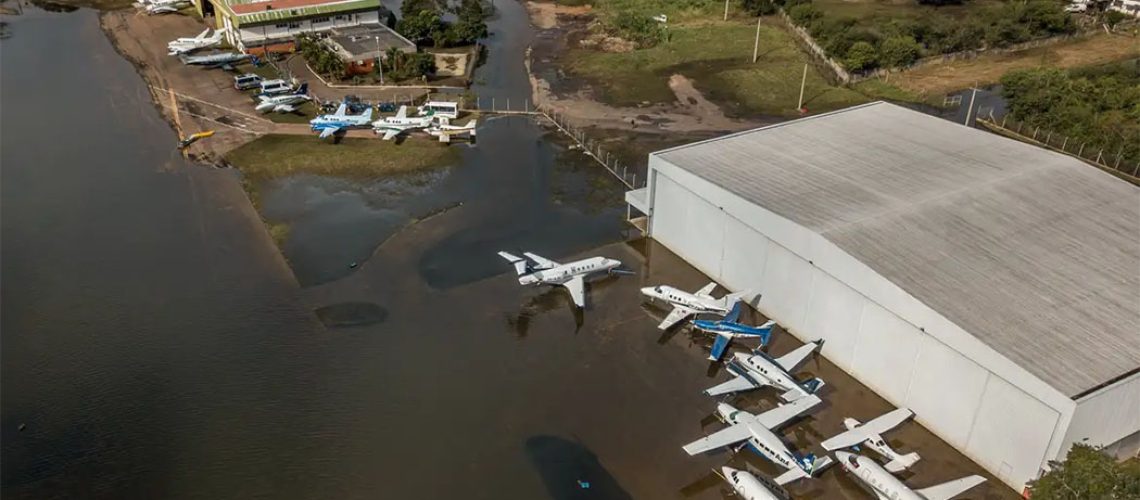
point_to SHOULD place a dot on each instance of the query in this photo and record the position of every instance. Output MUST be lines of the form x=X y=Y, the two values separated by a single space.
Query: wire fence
x=1121 y=159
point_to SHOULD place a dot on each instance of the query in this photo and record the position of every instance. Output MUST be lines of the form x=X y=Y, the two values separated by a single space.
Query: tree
x=1114 y=17
x=423 y=25
x=899 y=51
x=471 y=24
x=412 y=7
x=861 y=56
x=1088 y=474
x=759 y=7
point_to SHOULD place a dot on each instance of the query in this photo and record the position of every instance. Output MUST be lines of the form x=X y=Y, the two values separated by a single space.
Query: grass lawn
x=275 y=156
x=717 y=56
x=896 y=9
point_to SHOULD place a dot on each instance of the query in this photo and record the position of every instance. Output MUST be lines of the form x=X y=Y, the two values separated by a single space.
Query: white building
x=989 y=285
x=1130 y=7
x=276 y=23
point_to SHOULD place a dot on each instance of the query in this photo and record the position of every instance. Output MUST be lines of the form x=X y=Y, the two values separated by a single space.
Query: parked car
x=1077 y=7
x=247 y=81
x=273 y=87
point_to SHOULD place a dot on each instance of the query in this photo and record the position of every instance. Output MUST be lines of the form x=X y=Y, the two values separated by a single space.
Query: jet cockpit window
x=852 y=460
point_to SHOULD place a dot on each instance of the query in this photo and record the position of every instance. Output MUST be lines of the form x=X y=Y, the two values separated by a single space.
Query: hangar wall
x=1109 y=416
x=806 y=284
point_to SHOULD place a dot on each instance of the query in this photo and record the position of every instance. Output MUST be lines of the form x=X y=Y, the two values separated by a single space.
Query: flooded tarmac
x=156 y=345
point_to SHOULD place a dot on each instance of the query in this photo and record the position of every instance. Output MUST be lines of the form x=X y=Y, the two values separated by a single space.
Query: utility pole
x=379 y=60
x=725 y=10
x=803 y=83
x=756 y=46
x=970 y=111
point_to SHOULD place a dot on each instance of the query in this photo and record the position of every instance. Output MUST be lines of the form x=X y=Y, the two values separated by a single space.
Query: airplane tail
x=729 y=300
x=767 y=331
x=303 y=89
x=367 y=113
x=807 y=466
x=814 y=385
x=522 y=266
x=950 y=489
x=901 y=462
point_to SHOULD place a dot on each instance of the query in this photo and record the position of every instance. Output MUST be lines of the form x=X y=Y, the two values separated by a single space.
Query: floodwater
x=156 y=345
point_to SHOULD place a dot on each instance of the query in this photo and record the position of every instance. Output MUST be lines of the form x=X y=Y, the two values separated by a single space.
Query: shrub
x=899 y=51
x=759 y=7
x=803 y=14
x=637 y=28
x=861 y=56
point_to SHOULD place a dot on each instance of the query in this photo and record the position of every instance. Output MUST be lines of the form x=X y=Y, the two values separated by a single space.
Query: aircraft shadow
x=570 y=471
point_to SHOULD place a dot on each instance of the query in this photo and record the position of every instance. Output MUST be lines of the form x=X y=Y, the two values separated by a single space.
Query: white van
x=441 y=109
x=271 y=87
x=247 y=81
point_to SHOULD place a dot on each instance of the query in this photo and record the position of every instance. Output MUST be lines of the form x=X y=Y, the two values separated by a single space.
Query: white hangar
x=991 y=286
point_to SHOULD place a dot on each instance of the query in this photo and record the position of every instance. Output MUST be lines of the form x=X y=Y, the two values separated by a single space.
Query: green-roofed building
x=254 y=26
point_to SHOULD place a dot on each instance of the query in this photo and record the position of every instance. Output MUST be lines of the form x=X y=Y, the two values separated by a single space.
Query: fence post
x=1097 y=160
x=1118 y=153
x=1049 y=136
x=1019 y=128
x=1035 y=130
x=1066 y=143
x=1081 y=150
x=1136 y=169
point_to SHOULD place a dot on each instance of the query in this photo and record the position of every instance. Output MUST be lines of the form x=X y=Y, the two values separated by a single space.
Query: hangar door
x=687 y=224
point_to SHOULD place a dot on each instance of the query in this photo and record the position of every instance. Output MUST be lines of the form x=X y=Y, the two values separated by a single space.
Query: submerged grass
x=275 y=156
x=717 y=56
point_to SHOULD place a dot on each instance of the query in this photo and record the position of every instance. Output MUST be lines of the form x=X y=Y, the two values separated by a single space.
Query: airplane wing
x=390 y=133
x=676 y=315
x=719 y=346
x=577 y=288
x=328 y=132
x=879 y=425
x=707 y=290
x=950 y=489
x=202 y=35
x=793 y=359
x=719 y=439
x=779 y=415
x=741 y=381
x=543 y=262
x=284 y=108
x=734 y=313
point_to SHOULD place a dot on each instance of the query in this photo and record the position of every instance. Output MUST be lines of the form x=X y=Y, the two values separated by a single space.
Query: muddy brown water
x=155 y=344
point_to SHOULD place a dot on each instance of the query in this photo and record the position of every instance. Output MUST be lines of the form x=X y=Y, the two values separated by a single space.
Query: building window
x=320 y=20
x=294 y=25
x=282 y=26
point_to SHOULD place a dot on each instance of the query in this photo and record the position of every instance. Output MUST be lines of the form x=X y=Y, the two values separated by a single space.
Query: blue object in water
x=583 y=484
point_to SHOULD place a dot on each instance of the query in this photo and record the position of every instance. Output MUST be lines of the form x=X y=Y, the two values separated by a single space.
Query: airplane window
x=854 y=463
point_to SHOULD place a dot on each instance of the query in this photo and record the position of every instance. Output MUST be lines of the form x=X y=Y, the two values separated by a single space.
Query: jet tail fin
x=521 y=265
x=733 y=298
x=367 y=113
x=950 y=489
x=302 y=89
x=901 y=462
x=808 y=387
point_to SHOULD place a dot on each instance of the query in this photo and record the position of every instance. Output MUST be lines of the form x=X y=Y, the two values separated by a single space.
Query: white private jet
x=185 y=45
x=341 y=120
x=392 y=126
x=536 y=270
x=869 y=434
x=686 y=304
x=445 y=131
x=284 y=103
x=886 y=486
x=750 y=371
x=750 y=486
x=755 y=431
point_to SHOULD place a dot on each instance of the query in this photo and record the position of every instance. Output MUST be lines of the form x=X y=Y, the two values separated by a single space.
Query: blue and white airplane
x=727 y=329
x=341 y=120
x=756 y=432
x=750 y=371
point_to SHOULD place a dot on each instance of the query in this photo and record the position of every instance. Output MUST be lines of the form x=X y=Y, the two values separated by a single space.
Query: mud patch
x=349 y=314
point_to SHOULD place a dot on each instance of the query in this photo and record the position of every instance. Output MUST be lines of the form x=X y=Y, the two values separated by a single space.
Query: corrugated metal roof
x=327 y=8
x=1035 y=253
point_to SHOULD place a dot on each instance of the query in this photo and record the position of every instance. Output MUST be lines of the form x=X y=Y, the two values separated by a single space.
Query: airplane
x=755 y=431
x=284 y=103
x=219 y=60
x=869 y=434
x=536 y=270
x=886 y=486
x=169 y=8
x=445 y=131
x=393 y=126
x=750 y=371
x=686 y=304
x=727 y=329
x=750 y=486
x=184 y=45
x=331 y=124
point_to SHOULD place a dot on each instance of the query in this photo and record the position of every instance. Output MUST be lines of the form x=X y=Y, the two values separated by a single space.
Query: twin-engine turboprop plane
x=868 y=434
x=538 y=270
x=750 y=371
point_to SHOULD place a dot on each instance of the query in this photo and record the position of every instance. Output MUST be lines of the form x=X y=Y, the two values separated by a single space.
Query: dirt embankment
x=560 y=28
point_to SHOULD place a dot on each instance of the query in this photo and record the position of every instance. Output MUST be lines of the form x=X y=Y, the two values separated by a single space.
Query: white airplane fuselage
x=875 y=478
x=761 y=367
x=565 y=272
x=747 y=486
x=271 y=103
x=763 y=441
x=699 y=304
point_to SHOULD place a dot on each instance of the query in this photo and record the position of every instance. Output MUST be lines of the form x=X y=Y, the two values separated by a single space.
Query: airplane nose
x=728 y=471
x=647 y=291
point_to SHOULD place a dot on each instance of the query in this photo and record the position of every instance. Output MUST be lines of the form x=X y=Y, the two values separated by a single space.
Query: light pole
x=379 y=60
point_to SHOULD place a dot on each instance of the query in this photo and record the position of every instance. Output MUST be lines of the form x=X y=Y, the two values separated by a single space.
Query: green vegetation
x=718 y=57
x=320 y=57
x=399 y=65
x=423 y=22
x=275 y=156
x=279 y=231
x=1088 y=474
x=1098 y=106
x=899 y=34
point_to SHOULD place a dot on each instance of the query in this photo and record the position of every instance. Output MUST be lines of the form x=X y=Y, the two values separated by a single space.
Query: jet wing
x=707 y=290
x=779 y=415
x=284 y=108
x=719 y=346
x=950 y=489
x=390 y=133
x=719 y=439
x=676 y=315
x=793 y=359
x=543 y=262
x=577 y=288
x=879 y=425
x=741 y=381
x=328 y=132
